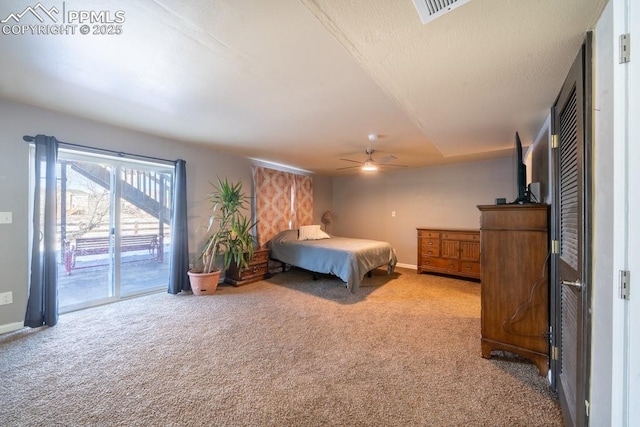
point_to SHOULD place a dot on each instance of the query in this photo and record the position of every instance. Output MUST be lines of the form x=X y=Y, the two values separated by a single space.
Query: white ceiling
x=303 y=82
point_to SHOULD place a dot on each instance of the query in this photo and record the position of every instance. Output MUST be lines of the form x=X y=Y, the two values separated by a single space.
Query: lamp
x=369 y=166
x=326 y=219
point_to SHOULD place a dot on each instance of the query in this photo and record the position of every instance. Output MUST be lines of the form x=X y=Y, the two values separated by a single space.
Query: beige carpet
x=403 y=351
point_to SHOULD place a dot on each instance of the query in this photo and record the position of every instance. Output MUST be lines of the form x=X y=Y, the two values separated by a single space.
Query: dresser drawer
x=462 y=236
x=259 y=256
x=253 y=271
x=440 y=263
x=470 y=267
x=430 y=250
x=429 y=243
x=428 y=233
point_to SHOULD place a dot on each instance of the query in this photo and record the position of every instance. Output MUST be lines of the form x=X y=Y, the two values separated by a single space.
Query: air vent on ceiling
x=432 y=9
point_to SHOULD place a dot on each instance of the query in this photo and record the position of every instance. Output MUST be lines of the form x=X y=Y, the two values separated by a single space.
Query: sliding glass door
x=143 y=229
x=84 y=233
x=113 y=233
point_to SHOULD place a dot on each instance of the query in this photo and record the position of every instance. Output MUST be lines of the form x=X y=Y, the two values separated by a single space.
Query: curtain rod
x=29 y=138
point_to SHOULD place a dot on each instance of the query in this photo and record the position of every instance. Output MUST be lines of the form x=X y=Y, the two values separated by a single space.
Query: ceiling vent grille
x=432 y=9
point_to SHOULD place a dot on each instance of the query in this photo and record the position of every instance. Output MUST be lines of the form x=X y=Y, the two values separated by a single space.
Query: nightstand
x=258 y=269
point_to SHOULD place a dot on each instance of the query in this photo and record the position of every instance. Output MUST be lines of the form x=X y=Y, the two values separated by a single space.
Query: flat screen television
x=520 y=169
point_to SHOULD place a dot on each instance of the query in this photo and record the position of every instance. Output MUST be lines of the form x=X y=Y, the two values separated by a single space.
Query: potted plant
x=230 y=236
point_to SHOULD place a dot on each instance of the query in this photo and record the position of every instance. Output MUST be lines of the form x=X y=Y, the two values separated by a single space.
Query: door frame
x=632 y=368
x=626 y=312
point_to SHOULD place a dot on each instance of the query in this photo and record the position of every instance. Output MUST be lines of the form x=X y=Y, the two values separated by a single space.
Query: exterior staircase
x=148 y=191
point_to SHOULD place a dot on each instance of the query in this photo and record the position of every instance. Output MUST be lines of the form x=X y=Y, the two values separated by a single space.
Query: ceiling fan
x=370 y=165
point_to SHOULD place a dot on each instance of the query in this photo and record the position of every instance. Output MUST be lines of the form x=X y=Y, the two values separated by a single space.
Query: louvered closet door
x=570 y=289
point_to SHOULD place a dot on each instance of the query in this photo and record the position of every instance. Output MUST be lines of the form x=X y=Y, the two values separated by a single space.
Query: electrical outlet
x=6 y=298
x=6 y=217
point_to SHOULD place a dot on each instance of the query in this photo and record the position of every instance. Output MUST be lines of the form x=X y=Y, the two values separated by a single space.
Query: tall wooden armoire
x=514 y=281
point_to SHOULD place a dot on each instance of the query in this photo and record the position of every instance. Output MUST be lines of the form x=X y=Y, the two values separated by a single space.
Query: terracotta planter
x=204 y=283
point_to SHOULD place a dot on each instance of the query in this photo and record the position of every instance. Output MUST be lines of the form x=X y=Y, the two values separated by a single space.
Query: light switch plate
x=6 y=217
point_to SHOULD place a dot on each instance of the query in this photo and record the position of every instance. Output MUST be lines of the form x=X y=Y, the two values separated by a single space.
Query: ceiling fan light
x=369 y=166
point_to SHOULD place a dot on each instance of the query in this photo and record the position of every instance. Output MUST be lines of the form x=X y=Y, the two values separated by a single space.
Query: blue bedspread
x=347 y=258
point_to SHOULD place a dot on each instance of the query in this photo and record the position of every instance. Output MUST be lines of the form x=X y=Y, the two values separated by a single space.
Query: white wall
x=441 y=196
x=16 y=120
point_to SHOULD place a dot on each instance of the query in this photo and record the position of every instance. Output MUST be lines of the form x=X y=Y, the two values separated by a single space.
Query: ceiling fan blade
x=371 y=162
x=387 y=159
x=393 y=166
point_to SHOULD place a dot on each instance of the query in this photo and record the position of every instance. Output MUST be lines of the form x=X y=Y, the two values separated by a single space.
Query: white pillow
x=311 y=232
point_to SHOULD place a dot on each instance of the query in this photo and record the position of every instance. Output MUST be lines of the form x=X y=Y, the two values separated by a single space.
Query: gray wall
x=16 y=120
x=442 y=196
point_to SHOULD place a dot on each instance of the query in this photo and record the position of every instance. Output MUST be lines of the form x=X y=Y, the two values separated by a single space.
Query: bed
x=347 y=258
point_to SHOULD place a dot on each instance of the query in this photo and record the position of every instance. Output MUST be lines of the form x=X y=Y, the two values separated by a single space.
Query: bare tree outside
x=89 y=214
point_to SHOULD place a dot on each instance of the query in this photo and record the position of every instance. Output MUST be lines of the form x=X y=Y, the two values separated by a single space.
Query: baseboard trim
x=409 y=266
x=10 y=327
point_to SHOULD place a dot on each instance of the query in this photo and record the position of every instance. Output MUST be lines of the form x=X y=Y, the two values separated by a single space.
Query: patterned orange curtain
x=303 y=200
x=283 y=201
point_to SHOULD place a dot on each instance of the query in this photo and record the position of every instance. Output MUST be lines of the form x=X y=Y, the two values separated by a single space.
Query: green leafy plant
x=231 y=235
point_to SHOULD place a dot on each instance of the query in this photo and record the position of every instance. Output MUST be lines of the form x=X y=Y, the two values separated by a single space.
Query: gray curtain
x=42 y=305
x=178 y=279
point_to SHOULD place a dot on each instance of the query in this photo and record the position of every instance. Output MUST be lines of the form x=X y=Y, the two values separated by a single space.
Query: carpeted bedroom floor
x=404 y=350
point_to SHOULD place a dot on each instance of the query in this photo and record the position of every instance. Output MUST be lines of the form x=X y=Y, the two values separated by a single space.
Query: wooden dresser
x=449 y=251
x=514 y=281
x=258 y=269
